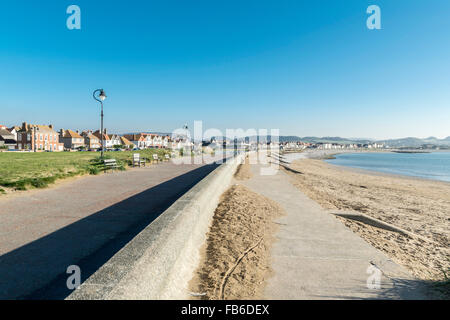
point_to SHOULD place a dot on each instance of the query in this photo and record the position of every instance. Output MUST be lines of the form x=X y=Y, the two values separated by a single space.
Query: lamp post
x=185 y=127
x=100 y=98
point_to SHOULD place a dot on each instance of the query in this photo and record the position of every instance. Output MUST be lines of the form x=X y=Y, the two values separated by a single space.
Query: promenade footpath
x=82 y=222
x=315 y=256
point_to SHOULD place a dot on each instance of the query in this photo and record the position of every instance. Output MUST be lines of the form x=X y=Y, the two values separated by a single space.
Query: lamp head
x=102 y=95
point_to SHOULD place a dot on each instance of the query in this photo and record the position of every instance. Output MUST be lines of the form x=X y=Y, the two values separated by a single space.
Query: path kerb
x=160 y=261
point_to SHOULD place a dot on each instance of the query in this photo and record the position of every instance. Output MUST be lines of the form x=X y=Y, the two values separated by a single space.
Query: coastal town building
x=71 y=139
x=91 y=142
x=14 y=131
x=137 y=139
x=7 y=139
x=127 y=143
x=157 y=141
x=38 y=138
x=183 y=143
x=107 y=142
x=115 y=140
x=148 y=140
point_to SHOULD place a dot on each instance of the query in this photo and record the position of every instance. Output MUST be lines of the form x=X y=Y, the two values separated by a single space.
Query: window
x=29 y=137
x=41 y=138
x=19 y=137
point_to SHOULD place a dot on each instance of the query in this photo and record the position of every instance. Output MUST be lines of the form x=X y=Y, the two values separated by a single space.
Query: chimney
x=61 y=132
x=50 y=126
x=78 y=131
x=24 y=126
x=104 y=131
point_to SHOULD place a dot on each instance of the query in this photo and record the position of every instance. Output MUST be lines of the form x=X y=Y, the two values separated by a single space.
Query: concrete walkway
x=318 y=257
x=82 y=222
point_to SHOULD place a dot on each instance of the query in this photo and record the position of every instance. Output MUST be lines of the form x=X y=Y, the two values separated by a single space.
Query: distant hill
x=416 y=142
x=334 y=140
x=396 y=143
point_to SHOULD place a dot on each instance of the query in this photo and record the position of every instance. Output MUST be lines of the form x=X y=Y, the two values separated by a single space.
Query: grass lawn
x=20 y=171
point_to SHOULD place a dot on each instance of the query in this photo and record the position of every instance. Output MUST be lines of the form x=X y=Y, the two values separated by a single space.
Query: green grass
x=21 y=171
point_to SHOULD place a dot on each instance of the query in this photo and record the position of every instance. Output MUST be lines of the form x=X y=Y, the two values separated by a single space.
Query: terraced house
x=92 y=142
x=148 y=140
x=115 y=140
x=139 y=140
x=38 y=138
x=71 y=139
x=127 y=143
x=107 y=142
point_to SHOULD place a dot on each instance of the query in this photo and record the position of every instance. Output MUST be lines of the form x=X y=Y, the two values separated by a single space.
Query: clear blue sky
x=305 y=67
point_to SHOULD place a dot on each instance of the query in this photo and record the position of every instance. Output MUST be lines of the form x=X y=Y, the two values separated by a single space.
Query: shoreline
x=324 y=155
x=385 y=174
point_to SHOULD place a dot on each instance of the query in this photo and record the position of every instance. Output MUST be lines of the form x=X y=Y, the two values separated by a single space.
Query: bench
x=137 y=161
x=110 y=164
x=155 y=157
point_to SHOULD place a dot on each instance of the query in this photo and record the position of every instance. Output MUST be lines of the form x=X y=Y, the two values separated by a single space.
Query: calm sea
x=434 y=165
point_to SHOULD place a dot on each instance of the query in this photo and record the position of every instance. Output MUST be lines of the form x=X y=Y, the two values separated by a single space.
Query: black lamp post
x=101 y=97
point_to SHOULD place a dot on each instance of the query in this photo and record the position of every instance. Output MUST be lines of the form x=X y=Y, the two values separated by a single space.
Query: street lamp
x=100 y=98
x=185 y=127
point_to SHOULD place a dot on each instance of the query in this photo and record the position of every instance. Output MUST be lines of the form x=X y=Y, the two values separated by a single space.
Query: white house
x=115 y=140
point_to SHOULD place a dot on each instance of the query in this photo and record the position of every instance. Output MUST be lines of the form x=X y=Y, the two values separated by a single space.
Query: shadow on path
x=401 y=289
x=37 y=270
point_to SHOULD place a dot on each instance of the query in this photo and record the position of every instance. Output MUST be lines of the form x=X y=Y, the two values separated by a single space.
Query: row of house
x=329 y=146
x=44 y=138
x=149 y=140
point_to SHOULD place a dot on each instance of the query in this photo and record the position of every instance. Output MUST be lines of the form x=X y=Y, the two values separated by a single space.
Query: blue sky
x=305 y=67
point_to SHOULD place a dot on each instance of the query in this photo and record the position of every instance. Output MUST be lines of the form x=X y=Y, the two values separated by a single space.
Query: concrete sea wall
x=159 y=262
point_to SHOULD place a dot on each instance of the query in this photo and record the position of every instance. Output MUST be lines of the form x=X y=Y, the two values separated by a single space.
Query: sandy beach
x=422 y=207
x=235 y=258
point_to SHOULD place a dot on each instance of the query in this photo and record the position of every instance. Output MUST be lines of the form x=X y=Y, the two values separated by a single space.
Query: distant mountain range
x=397 y=143
x=416 y=142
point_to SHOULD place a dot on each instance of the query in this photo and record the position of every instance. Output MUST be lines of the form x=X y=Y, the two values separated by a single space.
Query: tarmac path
x=82 y=222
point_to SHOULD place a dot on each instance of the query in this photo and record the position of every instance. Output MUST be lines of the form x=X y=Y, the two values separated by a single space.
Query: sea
x=434 y=165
